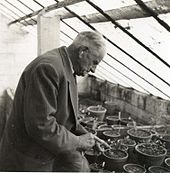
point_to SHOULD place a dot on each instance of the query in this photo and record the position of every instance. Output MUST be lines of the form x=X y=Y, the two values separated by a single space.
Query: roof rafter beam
x=60 y=4
x=128 y=12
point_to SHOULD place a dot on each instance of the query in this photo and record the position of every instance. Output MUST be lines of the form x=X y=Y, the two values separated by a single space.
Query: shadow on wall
x=5 y=108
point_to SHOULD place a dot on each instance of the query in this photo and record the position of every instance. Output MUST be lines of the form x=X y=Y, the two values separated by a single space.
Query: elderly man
x=43 y=121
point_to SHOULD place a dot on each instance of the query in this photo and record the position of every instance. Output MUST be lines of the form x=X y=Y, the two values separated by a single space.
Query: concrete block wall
x=144 y=108
x=17 y=48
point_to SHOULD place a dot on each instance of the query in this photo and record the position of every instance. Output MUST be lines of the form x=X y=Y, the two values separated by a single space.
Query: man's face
x=88 y=61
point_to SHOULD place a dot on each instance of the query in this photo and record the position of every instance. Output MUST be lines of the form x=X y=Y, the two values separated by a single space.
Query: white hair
x=90 y=39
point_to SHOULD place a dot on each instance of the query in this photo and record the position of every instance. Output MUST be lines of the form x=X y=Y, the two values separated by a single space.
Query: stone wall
x=143 y=107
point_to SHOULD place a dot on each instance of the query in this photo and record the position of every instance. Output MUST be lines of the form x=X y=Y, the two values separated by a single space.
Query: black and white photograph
x=85 y=86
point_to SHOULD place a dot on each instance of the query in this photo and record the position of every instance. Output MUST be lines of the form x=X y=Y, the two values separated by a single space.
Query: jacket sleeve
x=40 y=106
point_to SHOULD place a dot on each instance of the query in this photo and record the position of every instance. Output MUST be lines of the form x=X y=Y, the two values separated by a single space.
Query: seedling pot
x=158 y=169
x=101 y=129
x=134 y=168
x=167 y=163
x=149 y=154
x=97 y=111
x=130 y=143
x=112 y=120
x=139 y=135
x=111 y=134
x=115 y=159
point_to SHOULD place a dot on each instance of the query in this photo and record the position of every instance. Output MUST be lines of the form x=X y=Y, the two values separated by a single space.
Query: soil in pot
x=112 y=120
x=139 y=135
x=115 y=159
x=120 y=147
x=101 y=129
x=111 y=134
x=134 y=168
x=128 y=141
x=158 y=169
x=149 y=154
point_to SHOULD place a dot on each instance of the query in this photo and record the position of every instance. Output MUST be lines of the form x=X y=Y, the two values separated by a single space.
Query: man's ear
x=83 y=50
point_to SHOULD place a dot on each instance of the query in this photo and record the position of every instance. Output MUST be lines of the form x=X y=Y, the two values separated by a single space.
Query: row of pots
x=131 y=168
x=147 y=155
x=110 y=132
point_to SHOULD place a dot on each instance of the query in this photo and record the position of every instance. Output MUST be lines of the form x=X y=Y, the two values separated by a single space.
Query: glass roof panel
x=31 y=4
x=11 y=7
x=8 y=11
x=46 y=2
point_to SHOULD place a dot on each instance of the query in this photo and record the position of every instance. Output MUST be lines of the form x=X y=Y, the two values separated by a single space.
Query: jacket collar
x=70 y=78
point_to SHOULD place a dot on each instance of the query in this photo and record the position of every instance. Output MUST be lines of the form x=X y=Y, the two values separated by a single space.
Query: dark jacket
x=43 y=121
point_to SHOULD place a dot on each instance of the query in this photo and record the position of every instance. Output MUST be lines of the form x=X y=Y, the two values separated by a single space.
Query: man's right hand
x=86 y=141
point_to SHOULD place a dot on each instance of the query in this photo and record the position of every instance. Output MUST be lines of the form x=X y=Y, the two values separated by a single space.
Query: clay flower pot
x=115 y=159
x=134 y=168
x=92 y=156
x=97 y=112
x=111 y=107
x=158 y=169
x=120 y=129
x=130 y=143
x=101 y=129
x=139 y=135
x=111 y=134
x=112 y=120
x=149 y=154
x=125 y=121
x=167 y=163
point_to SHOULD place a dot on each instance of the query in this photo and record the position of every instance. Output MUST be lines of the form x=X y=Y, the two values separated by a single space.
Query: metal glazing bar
x=140 y=77
x=25 y=5
x=126 y=76
x=38 y=3
x=113 y=75
x=66 y=35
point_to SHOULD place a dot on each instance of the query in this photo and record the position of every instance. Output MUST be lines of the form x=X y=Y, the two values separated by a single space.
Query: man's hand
x=101 y=145
x=86 y=141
